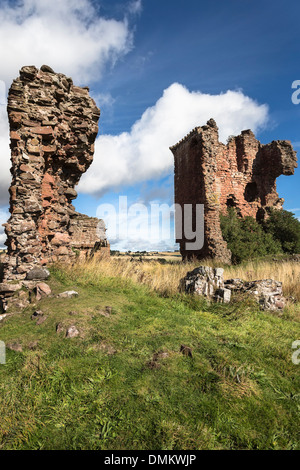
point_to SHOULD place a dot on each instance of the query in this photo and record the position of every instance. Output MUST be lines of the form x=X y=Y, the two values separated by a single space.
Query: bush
x=246 y=238
x=285 y=228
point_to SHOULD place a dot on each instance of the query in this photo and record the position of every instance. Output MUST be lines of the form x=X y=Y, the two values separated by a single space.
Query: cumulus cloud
x=139 y=226
x=5 y=176
x=69 y=35
x=143 y=153
x=4 y=215
x=135 y=7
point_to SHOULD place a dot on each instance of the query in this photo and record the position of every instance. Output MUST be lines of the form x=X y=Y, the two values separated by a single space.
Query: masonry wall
x=88 y=235
x=53 y=126
x=241 y=174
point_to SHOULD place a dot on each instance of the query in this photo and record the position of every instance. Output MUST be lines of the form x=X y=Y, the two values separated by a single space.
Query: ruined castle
x=241 y=174
x=53 y=127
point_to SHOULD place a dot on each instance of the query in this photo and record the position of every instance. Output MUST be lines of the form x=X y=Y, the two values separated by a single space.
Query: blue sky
x=157 y=68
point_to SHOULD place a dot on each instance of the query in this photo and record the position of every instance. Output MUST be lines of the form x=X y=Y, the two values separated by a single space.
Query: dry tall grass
x=287 y=272
x=164 y=278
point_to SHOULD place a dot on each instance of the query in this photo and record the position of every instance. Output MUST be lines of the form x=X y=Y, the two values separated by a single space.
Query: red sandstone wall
x=53 y=126
x=241 y=174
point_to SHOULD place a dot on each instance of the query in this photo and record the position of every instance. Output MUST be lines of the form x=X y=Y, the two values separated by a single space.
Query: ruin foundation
x=209 y=282
x=241 y=174
x=53 y=127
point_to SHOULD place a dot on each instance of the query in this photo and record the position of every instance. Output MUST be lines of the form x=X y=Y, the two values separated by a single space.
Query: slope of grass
x=123 y=383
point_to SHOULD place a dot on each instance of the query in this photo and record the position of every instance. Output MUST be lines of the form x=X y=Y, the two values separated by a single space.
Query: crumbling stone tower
x=241 y=174
x=53 y=126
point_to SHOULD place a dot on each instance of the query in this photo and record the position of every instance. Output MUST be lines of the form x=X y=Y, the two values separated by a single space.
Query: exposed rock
x=53 y=126
x=72 y=332
x=42 y=290
x=46 y=68
x=267 y=292
x=222 y=295
x=206 y=281
x=60 y=328
x=88 y=235
x=17 y=295
x=241 y=174
x=209 y=283
x=67 y=294
x=41 y=319
x=18 y=301
x=37 y=314
x=37 y=274
x=9 y=288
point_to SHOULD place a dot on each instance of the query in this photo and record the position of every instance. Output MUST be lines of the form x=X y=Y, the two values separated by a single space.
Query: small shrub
x=246 y=238
x=283 y=226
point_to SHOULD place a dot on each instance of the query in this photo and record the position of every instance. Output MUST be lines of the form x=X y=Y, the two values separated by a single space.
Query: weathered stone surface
x=223 y=295
x=60 y=328
x=18 y=301
x=241 y=174
x=72 y=332
x=42 y=290
x=206 y=281
x=267 y=292
x=84 y=231
x=41 y=319
x=209 y=283
x=37 y=274
x=37 y=314
x=68 y=294
x=8 y=287
x=53 y=127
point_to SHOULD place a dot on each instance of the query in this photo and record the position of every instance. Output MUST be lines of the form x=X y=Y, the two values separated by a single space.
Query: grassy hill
x=123 y=382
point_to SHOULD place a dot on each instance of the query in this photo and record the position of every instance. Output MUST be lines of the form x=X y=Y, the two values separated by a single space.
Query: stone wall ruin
x=241 y=174
x=53 y=127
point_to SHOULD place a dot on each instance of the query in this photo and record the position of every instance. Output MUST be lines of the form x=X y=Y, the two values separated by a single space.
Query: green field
x=124 y=384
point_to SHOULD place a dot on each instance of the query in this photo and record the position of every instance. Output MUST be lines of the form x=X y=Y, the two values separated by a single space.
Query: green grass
x=103 y=390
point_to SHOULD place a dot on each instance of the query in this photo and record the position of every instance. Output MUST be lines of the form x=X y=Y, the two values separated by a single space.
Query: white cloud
x=135 y=7
x=68 y=35
x=139 y=226
x=4 y=215
x=143 y=153
x=5 y=176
